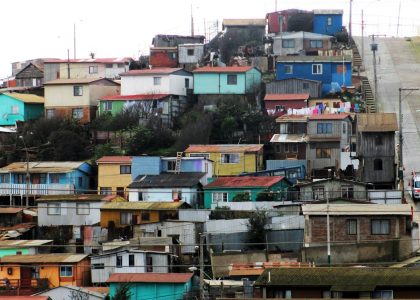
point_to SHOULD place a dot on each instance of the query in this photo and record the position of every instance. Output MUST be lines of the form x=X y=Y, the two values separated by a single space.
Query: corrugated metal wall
x=295 y=86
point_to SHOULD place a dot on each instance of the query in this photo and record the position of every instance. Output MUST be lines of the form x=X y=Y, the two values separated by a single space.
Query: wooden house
x=295 y=86
x=31 y=76
x=376 y=148
x=278 y=104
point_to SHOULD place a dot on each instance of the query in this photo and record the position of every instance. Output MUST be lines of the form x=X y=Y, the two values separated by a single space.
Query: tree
x=241 y=197
x=265 y=195
x=123 y=292
x=67 y=145
x=256 y=230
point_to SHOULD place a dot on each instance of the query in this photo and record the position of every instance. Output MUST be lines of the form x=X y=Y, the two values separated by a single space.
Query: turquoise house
x=162 y=286
x=23 y=247
x=224 y=189
x=20 y=107
x=226 y=80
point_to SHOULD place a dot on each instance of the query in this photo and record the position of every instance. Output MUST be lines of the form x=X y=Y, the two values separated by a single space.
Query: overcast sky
x=44 y=29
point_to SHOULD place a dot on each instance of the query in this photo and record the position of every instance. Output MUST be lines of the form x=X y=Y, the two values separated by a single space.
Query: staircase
x=178 y=162
x=357 y=58
x=368 y=96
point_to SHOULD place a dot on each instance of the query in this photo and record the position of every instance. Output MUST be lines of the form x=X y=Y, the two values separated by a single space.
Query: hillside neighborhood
x=256 y=164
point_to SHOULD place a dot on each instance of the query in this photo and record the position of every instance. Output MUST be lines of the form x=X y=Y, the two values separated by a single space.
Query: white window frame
x=93 y=69
x=288 y=69
x=126 y=218
x=65 y=269
x=54 y=209
x=352 y=227
x=107 y=105
x=224 y=155
x=329 y=21
x=15 y=109
x=82 y=208
x=203 y=155
x=125 y=169
x=315 y=43
x=77 y=90
x=50 y=112
x=157 y=80
x=318 y=69
x=217 y=197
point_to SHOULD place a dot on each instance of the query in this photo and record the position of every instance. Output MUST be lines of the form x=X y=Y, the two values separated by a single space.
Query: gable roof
x=244 y=22
x=144 y=205
x=151 y=277
x=137 y=97
x=378 y=122
x=65 y=81
x=80 y=198
x=340 y=116
x=285 y=97
x=42 y=167
x=224 y=148
x=155 y=71
x=167 y=180
x=245 y=181
x=43 y=258
x=356 y=210
x=341 y=278
x=114 y=159
x=292 y=118
x=39 y=66
x=233 y=69
x=26 y=98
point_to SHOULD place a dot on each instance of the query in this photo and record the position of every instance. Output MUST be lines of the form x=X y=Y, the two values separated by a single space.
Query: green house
x=245 y=188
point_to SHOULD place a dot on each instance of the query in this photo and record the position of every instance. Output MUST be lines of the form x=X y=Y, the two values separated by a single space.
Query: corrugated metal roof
x=77 y=81
x=151 y=277
x=246 y=272
x=168 y=180
x=244 y=181
x=25 y=297
x=356 y=210
x=314 y=58
x=233 y=69
x=143 y=205
x=340 y=116
x=328 y=11
x=303 y=35
x=224 y=148
x=10 y=210
x=332 y=180
x=22 y=243
x=244 y=22
x=137 y=97
x=81 y=198
x=91 y=60
x=155 y=71
x=292 y=118
x=282 y=97
x=43 y=258
x=114 y=159
x=42 y=167
x=289 y=138
x=26 y=98
x=378 y=122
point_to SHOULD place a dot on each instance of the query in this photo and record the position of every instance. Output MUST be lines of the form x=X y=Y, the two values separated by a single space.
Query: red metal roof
x=245 y=181
x=138 y=97
x=233 y=69
x=329 y=116
x=224 y=148
x=114 y=159
x=91 y=60
x=150 y=71
x=150 y=277
x=281 y=97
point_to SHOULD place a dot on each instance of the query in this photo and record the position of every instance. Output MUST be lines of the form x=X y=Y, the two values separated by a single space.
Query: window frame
x=381 y=222
x=118 y=261
x=352 y=227
x=217 y=197
x=126 y=218
x=107 y=105
x=66 y=269
x=318 y=69
x=82 y=210
x=77 y=113
x=77 y=90
x=324 y=128
x=329 y=21
x=323 y=153
x=157 y=80
x=56 y=206
x=198 y=154
x=224 y=155
x=105 y=190
x=232 y=79
x=315 y=43
x=347 y=192
x=125 y=169
x=318 y=192
x=288 y=69
x=93 y=69
x=50 y=113
x=288 y=43
x=378 y=164
x=190 y=52
x=131 y=260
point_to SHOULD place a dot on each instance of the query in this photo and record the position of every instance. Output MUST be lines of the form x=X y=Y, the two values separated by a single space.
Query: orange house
x=31 y=271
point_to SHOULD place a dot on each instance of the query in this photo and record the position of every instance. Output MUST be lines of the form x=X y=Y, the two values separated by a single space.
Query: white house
x=172 y=81
x=128 y=261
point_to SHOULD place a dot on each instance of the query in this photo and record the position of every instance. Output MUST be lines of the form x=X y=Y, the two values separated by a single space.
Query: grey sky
x=44 y=28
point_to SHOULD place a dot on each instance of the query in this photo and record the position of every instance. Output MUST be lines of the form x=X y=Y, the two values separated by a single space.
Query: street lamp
x=27 y=171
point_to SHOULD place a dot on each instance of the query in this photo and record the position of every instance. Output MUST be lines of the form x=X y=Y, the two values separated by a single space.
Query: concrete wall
x=170 y=84
x=184 y=58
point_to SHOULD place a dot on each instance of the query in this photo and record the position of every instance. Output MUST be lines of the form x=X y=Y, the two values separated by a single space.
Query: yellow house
x=230 y=159
x=114 y=174
x=331 y=103
x=31 y=271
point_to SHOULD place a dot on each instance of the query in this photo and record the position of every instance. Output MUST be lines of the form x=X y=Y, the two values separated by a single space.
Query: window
x=351 y=226
x=347 y=192
x=15 y=109
x=119 y=261
x=77 y=113
x=54 y=178
x=93 y=69
x=323 y=153
x=107 y=105
x=219 y=197
x=66 y=271
x=50 y=113
x=187 y=83
x=131 y=260
x=232 y=79
x=20 y=178
x=316 y=69
x=126 y=218
x=157 y=80
x=77 y=90
x=318 y=192
x=305 y=85
x=190 y=52
x=344 y=128
x=380 y=226
x=290 y=147
x=120 y=191
x=315 y=44
x=145 y=216
x=125 y=169
x=204 y=155
x=171 y=165
x=288 y=69
x=323 y=128
x=149 y=264
x=120 y=65
x=4 y=178
x=80 y=181
x=229 y=158
x=34 y=272
x=105 y=191
x=140 y=196
x=288 y=43
x=284 y=128
x=82 y=208
x=378 y=140
x=53 y=209
x=377 y=165
x=287 y=294
x=98 y=266
x=329 y=21
x=108 y=66
x=385 y=294
x=176 y=195
x=279 y=108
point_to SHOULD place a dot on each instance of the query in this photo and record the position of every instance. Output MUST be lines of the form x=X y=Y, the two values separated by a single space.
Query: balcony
x=16 y=189
x=22 y=287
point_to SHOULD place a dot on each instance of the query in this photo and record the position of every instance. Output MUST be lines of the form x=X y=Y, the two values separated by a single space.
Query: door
x=25 y=277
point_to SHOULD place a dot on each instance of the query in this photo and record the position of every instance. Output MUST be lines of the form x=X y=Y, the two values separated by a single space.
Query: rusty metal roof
x=7 y=244
x=150 y=277
x=244 y=22
x=284 y=97
x=143 y=205
x=42 y=167
x=289 y=138
x=378 y=122
x=43 y=258
x=77 y=81
x=26 y=98
x=292 y=118
x=10 y=210
x=340 y=116
x=81 y=198
x=155 y=71
x=244 y=181
x=246 y=272
x=225 y=148
x=114 y=159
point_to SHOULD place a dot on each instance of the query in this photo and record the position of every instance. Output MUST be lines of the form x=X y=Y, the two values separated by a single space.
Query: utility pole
x=202 y=266
x=398 y=22
x=74 y=40
x=350 y=16
x=192 y=22
x=374 y=48
x=328 y=225
x=363 y=40
x=401 y=139
x=68 y=63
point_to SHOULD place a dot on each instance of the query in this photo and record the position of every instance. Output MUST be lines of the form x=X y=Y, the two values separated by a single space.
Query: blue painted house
x=328 y=21
x=46 y=178
x=332 y=71
x=226 y=80
x=20 y=107
x=162 y=286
